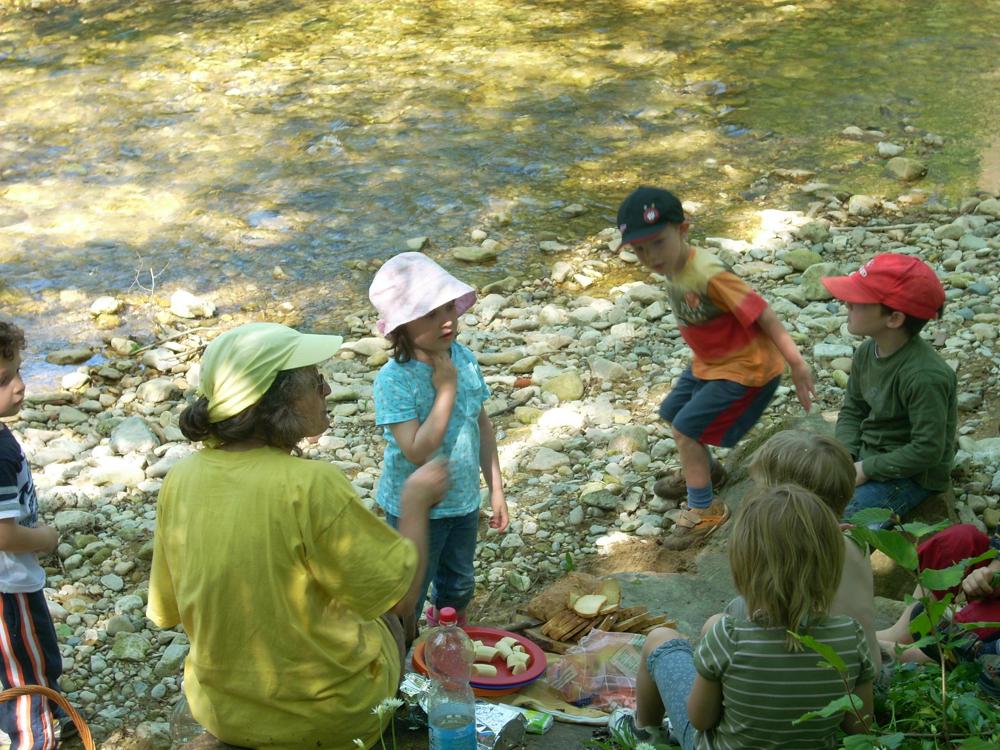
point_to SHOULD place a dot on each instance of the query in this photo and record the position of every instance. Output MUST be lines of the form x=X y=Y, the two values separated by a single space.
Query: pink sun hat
x=410 y=285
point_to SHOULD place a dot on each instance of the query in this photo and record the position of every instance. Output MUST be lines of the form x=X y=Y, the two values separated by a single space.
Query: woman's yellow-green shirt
x=279 y=575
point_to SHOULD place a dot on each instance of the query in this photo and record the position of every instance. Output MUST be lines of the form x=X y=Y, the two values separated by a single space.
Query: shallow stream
x=153 y=146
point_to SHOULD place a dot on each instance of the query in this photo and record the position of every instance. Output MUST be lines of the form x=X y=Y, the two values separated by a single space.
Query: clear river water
x=152 y=146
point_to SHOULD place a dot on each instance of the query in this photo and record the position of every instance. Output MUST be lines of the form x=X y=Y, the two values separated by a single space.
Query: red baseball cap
x=901 y=282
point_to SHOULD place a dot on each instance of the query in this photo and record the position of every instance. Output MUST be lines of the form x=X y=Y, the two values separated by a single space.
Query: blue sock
x=699 y=497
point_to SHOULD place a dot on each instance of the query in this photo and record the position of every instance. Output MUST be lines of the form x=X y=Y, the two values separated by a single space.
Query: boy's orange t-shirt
x=717 y=315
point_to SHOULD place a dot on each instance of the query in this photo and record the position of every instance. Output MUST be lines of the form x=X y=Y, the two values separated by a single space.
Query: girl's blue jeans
x=671 y=665
x=451 y=550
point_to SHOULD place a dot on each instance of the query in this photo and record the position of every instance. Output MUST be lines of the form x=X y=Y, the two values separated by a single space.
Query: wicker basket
x=56 y=697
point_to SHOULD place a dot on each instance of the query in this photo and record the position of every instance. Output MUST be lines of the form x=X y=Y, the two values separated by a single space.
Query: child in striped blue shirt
x=27 y=636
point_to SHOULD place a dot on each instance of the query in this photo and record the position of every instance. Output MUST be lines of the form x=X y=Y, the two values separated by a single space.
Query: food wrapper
x=600 y=670
x=538 y=722
x=413 y=688
x=498 y=727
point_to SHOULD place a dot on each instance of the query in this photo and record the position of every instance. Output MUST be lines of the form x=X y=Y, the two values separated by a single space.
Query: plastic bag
x=600 y=670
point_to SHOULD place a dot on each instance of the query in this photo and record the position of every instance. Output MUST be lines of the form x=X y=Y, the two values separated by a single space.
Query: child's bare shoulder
x=857 y=575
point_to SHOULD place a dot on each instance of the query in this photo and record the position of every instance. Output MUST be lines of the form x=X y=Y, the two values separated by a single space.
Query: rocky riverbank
x=577 y=361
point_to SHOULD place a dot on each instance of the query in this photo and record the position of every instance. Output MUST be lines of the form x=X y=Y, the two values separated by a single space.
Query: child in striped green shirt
x=749 y=679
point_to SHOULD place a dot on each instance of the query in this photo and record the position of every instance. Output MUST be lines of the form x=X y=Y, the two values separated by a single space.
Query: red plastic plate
x=504 y=678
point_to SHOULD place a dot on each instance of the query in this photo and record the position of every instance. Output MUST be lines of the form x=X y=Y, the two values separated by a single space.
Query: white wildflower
x=388 y=706
x=392 y=703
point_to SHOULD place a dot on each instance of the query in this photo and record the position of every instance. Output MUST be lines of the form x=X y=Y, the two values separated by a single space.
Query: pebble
x=69 y=356
x=184 y=304
x=547 y=459
x=905 y=169
x=112 y=582
x=105 y=305
x=474 y=253
x=888 y=150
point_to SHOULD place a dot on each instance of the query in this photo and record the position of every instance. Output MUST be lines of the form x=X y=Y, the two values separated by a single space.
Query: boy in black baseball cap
x=740 y=349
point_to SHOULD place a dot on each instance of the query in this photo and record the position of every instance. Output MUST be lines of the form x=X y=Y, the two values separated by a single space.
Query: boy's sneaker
x=66 y=729
x=622 y=724
x=989 y=678
x=695 y=526
x=675 y=488
x=967 y=646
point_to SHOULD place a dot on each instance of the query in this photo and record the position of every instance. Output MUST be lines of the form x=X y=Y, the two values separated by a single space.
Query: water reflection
x=989 y=176
x=222 y=140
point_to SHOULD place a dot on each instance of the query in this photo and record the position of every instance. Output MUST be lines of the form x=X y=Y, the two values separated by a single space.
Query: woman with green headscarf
x=286 y=585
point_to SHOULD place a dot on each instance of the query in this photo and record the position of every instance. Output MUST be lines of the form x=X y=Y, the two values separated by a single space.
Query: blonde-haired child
x=811 y=460
x=786 y=554
x=429 y=401
x=822 y=465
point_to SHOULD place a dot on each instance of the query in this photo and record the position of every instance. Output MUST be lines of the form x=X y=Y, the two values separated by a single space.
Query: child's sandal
x=692 y=527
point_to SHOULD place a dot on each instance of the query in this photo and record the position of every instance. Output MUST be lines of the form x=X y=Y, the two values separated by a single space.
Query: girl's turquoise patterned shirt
x=404 y=392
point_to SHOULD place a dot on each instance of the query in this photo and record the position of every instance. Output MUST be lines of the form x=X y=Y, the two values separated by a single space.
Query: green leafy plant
x=928 y=705
x=568 y=563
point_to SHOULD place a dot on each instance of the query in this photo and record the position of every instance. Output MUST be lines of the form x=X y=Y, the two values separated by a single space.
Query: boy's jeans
x=898 y=495
x=451 y=550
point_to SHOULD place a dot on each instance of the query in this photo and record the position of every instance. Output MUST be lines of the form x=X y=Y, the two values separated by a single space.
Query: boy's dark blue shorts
x=715 y=412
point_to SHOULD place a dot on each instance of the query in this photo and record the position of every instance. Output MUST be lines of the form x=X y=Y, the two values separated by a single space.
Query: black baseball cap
x=646 y=211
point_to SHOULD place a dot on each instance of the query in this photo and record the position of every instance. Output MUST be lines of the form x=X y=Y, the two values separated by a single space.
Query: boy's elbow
x=8 y=536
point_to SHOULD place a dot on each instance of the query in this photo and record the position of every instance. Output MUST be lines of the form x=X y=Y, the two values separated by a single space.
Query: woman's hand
x=428 y=483
x=423 y=489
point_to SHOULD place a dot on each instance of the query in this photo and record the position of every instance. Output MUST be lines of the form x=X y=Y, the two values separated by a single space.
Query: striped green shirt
x=765 y=687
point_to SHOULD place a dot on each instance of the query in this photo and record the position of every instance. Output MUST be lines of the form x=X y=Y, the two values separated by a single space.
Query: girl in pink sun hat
x=429 y=401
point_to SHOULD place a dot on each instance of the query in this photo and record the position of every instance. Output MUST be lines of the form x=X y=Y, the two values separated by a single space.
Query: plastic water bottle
x=183 y=727
x=451 y=705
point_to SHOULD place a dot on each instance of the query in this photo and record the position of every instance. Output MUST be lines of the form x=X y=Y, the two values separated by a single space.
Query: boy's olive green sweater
x=899 y=414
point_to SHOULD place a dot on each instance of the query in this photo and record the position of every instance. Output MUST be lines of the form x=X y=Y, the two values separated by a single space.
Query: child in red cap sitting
x=899 y=413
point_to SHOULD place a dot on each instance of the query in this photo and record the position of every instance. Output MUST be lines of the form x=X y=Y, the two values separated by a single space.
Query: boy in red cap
x=899 y=413
x=740 y=349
